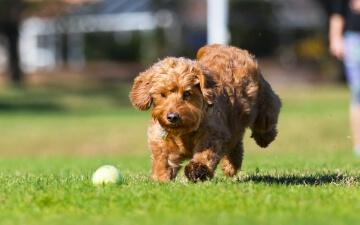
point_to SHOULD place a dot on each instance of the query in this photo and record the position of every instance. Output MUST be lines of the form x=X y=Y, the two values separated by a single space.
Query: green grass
x=308 y=176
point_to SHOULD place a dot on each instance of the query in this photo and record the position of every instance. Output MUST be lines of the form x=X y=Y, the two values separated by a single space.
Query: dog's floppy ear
x=207 y=86
x=206 y=49
x=140 y=93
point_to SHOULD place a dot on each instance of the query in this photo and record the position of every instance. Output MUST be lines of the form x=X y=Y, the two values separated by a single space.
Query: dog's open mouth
x=173 y=126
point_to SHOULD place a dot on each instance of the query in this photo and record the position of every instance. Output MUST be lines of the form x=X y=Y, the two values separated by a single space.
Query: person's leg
x=355 y=124
x=352 y=64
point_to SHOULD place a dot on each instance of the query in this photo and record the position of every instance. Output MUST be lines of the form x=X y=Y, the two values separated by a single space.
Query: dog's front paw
x=162 y=178
x=195 y=171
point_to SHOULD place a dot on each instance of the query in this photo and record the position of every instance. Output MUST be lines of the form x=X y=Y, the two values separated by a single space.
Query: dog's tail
x=268 y=106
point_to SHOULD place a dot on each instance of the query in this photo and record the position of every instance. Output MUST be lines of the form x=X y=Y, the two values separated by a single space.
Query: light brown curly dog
x=201 y=109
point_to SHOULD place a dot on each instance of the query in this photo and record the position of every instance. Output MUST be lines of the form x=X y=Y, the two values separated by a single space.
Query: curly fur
x=216 y=97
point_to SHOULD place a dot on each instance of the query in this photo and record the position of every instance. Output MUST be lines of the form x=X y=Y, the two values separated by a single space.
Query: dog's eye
x=163 y=95
x=186 y=94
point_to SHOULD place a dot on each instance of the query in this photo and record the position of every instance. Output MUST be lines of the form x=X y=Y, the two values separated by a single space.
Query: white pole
x=217 y=21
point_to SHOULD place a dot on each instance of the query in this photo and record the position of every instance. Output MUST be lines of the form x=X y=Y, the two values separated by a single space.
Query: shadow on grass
x=314 y=180
x=30 y=107
x=51 y=98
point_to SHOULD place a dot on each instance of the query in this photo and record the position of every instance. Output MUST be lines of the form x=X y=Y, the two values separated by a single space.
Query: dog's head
x=178 y=89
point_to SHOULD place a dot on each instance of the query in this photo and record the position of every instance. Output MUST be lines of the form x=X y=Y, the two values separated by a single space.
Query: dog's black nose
x=173 y=117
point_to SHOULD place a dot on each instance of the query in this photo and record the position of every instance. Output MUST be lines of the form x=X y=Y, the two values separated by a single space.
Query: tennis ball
x=107 y=175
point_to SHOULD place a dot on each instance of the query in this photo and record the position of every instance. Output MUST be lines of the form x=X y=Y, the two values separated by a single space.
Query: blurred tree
x=10 y=15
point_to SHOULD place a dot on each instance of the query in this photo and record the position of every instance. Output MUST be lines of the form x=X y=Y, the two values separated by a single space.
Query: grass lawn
x=52 y=140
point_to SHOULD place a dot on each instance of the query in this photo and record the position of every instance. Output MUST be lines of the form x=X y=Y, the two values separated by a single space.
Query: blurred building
x=52 y=41
x=144 y=30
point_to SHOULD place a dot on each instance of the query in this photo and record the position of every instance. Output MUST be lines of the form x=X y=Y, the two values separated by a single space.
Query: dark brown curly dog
x=201 y=109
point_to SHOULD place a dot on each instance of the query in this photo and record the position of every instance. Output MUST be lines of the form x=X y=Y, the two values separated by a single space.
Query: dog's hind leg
x=264 y=128
x=232 y=161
